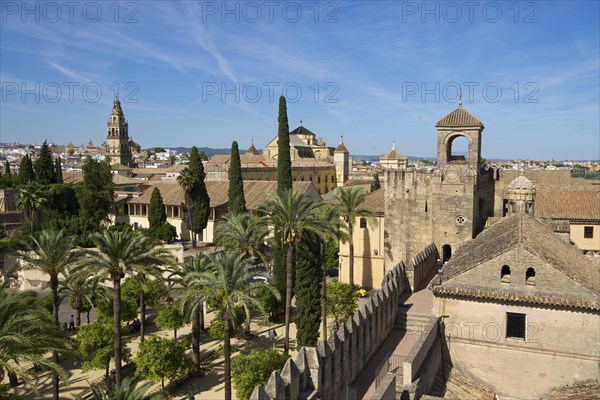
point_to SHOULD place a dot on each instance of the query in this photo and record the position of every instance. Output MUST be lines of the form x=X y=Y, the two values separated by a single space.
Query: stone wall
x=332 y=365
x=421 y=267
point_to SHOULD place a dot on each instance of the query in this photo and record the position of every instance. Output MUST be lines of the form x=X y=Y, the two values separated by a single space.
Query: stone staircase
x=411 y=322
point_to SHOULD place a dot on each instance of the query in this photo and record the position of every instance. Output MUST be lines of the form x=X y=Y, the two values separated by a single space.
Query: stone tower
x=341 y=159
x=439 y=207
x=455 y=183
x=117 y=137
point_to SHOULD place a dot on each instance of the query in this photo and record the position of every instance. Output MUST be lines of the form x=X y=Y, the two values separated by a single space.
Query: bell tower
x=117 y=137
x=455 y=191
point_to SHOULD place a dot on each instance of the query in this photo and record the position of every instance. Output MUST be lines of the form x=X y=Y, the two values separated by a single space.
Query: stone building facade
x=521 y=308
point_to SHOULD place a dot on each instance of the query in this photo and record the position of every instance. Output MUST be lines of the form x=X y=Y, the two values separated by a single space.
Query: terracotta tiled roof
x=301 y=131
x=534 y=236
x=252 y=151
x=375 y=201
x=580 y=390
x=341 y=148
x=72 y=177
x=255 y=192
x=459 y=117
x=393 y=155
x=568 y=204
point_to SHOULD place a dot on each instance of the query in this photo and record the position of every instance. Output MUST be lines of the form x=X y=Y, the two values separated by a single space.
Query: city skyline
x=208 y=73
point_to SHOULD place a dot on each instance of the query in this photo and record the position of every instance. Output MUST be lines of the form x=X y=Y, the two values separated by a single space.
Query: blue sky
x=206 y=73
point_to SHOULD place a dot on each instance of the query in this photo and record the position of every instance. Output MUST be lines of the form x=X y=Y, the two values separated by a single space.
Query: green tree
x=52 y=253
x=26 y=173
x=375 y=184
x=226 y=289
x=96 y=344
x=255 y=369
x=159 y=150
x=187 y=181
x=119 y=253
x=284 y=182
x=96 y=193
x=170 y=317
x=330 y=238
x=129 y=390
x=309 y=276
x=236 y=200
x=33 y=198
x=58 y=170
x=284 y=161
x=292 y=215
x=156 y=212
x=341 y=302
x=27 y=334
x=160 y=358
x=199 y=194
x=81 y=289
x=243 y=234
x=6 y=168
x=348 y=204
x=190 y=268
x=44 y=166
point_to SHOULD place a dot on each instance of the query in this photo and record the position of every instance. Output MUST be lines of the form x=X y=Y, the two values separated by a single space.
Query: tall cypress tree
x=45 y=173
x=156 y=212
x=309 y=276
x=199 y=194
x=58 y=170
x=26 y=173
x=236 y=199
x=375 y=184
x=284 y=161
x=284 y=182
x=96 y=193
x=6 y=168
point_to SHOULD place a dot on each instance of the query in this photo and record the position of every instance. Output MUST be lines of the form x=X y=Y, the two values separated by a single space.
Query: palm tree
x=52 y=253
x=81 y=289
x=188 y=181
x=292 y=214
x=119 y=253
x=331 y=223
x=225 y=287
x=243 y=234
x=32 y=200
x=348 y=204
x=27 y=334
x=199 y=264
x=129 y=390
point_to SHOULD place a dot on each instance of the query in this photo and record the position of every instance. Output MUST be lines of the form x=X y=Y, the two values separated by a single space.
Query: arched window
x=446 y=252
x=458 y=149
x=530 y=276
x=505 y=274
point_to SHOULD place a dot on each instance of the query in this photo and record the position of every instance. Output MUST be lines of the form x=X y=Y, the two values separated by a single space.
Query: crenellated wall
x=421 y=266
x=332 y=365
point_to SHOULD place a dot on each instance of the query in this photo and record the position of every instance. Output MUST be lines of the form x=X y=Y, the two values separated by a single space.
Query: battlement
x=330 y=367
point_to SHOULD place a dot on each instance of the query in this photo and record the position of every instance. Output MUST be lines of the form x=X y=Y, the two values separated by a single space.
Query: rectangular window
x=588 y=232
x=318 y=179
x=515 y=325
x=175 y=211
x=363 y=223
x=143 y=209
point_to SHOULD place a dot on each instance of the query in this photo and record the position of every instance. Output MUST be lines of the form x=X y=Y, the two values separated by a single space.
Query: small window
x=175 y=211
x=426 y=206
x=588 y=232
x=530 y=276
x=515 y=325
x=125 y=209
x=363 y=223
x=319 y=179
x=505 y=274
x=143 y=209
x=325 y=178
